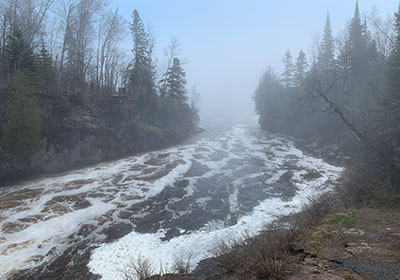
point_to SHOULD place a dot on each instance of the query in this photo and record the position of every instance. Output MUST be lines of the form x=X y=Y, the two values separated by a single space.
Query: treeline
x=60 y=55
x=346 y=93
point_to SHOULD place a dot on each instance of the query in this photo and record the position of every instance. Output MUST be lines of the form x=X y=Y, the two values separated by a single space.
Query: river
x=178 y=202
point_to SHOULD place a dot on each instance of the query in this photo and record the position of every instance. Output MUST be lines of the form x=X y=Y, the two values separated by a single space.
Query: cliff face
x=89 y=134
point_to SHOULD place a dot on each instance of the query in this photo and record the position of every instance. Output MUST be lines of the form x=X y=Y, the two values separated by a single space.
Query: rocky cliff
x=89 y=134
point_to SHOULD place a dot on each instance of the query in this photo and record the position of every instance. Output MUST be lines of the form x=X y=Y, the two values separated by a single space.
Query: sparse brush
x=316 y=209
x=365 y=185
x=267 y=255
x=260 y=257
x=138 y=269
x=182 y=264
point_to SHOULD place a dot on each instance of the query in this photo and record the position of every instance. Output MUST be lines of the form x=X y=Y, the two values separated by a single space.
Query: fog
x=252 y=139
x=227 y=44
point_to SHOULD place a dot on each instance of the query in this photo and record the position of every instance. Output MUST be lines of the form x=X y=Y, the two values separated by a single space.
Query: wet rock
x=72 y=264
x=58 y=204
x=372 y=270
x=117 y=231
x=127 y=197
x=197 y=169
x=17 y=198
x=13 y=227
x=311 y=175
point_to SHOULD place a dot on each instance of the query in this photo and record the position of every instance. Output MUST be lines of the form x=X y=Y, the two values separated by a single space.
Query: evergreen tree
x=327 y=50
x=20 y=54
x=269 y=85
x=288 y=71
x=390 y=113
x=141 y=75
x=358 y=46
x=22 y=132
x=301 y=69
x=47 y=74
x=175 y=83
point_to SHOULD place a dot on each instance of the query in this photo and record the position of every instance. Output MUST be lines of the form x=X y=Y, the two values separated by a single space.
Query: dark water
x=230 y=180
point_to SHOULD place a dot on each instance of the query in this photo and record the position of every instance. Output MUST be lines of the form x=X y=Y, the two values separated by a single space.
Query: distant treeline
x=60 y=55
x=346 y=93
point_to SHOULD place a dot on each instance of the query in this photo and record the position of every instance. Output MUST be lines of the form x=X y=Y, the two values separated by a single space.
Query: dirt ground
x=351 y=245
x=355 y=244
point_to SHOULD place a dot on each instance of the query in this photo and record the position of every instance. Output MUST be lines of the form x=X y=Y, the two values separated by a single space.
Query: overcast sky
x=228 y=43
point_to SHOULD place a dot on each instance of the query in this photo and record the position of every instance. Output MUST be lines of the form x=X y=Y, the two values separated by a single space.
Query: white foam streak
x=49 y=210
x=109 y=260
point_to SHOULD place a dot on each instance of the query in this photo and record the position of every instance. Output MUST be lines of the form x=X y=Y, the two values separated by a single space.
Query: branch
x=376 y=25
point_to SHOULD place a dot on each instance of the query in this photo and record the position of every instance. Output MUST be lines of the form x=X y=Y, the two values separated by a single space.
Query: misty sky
x=228 y=43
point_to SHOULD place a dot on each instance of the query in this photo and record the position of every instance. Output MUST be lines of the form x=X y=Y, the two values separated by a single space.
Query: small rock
x=354 y=232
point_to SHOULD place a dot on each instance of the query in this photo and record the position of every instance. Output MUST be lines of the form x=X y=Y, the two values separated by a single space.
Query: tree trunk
x=372 y=150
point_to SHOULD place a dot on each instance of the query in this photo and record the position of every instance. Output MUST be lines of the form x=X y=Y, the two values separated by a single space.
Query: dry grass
x=268 y=255
x=138 y=269
x=260 y=257
x=182 y=265
x=141 y=268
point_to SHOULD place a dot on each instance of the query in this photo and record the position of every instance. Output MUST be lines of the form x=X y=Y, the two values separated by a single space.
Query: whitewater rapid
x=169 y=204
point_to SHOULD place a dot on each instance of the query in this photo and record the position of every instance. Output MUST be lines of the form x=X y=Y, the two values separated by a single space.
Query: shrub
x=264 y=256
x=182 y=264
x=140 y=269
x=268 y=255
x=365 y=185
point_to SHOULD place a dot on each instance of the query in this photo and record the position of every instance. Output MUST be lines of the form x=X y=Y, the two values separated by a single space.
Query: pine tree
x=47 y=78
x=269 y=84
x=22 y=132
x=327 y=50
x=20 y=54
x=175 y=83
x=301 y=69
x=288 y=71
x=358 y=45
x=390 y=113
x=141 y=75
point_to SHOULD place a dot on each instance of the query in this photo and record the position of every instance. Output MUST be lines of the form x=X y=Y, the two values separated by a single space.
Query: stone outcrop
x=91 y=134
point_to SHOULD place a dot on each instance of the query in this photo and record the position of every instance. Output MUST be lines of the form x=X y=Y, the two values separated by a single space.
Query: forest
x=69 y=92
x=105 y=174
x=345 y=96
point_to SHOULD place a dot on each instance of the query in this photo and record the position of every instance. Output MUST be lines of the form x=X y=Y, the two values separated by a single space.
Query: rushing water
x=162 y=205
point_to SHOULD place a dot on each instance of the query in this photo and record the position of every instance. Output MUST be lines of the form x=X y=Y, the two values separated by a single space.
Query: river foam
x=110 y=260
x=178 y=201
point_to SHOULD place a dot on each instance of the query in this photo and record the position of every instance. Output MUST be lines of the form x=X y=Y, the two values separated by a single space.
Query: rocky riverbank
x=89 y=134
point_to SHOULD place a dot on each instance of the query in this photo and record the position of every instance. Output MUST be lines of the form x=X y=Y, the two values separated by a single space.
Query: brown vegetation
x=350 y=234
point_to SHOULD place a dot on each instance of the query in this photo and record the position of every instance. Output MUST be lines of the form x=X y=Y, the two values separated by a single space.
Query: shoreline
x=21 y=179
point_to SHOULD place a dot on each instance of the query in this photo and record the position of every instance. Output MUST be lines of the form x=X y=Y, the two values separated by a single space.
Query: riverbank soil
x=353 y=244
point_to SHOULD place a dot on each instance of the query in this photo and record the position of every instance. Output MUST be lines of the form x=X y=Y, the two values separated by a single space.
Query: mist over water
x=231 y=179
x=209 y=124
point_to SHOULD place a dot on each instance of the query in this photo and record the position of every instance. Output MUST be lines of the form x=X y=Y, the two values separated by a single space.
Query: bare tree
x=78 y=18
x=382 y=32
x=322 y=85
x=110 y=31
x=195 y=99
x=65 y=13
x=32 y=15
x=171 y=51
